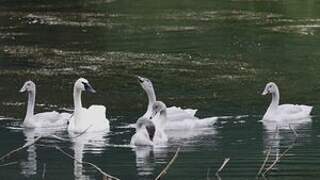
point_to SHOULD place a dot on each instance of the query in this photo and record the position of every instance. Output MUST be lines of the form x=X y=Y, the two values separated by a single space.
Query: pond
x=214 y=56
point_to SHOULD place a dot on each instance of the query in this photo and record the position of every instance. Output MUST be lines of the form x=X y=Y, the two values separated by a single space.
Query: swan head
x=83 y=85
x=158 y=107
x=28 y=86
x=143 y=122
x=270 y=88
x=145 y=83
x=148 y=124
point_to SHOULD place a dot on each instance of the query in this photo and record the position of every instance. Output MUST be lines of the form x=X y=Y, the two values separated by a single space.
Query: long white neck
x=31 y=102
x=77 y=104
x=151 y=98
x=275 y=101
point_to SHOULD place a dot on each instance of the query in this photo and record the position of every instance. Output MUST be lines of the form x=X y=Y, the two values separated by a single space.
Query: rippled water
x=215 y=56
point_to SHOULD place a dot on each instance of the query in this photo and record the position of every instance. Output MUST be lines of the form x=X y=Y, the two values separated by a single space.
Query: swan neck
x=31 y=103
x=275 y=100
x=151 y=98
x=77 y=100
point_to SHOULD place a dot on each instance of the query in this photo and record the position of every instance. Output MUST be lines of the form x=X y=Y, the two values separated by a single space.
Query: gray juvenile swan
x=174 y=113
x=176 y=117
x=41 y=120
x=160 y=119
x=145 y=130
x=150 y=131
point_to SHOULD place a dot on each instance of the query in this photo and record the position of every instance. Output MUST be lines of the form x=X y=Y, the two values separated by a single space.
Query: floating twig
x=226 y=160
x=294 y=132
x=265 y=161
x=8 y=164
x=27 y=144
x=81 y=132
x=268 y=153
x=284 y=153
x=208 y=174
x=164 y=171
x=44 y=171
x=72 y=137
x=105 y=175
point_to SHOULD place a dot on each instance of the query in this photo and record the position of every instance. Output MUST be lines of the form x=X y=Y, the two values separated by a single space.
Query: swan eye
x=84 y=84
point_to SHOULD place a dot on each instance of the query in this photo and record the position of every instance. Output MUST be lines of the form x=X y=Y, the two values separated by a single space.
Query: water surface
x=215 y=56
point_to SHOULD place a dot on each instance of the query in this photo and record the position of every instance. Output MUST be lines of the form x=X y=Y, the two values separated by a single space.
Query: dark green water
x=215 y=56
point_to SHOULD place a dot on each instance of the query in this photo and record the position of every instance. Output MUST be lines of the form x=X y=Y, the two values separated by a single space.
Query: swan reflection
x=29 y=166
x=93 y=142
x=146 y=158
x=282 y=132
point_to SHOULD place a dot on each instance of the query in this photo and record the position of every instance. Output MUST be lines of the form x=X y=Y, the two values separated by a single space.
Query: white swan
x=173 y=113
x=41 y=120
x=277 y=112
x=91 y=119
x=145 y=130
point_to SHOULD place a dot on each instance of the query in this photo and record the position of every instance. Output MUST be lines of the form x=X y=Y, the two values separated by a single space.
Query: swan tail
x=97 y=114
x=174 y=109
x=307 y=109
x=177 y=113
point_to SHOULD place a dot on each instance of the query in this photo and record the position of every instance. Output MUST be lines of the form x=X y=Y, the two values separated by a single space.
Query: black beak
x=89 y=88
x=140 y=79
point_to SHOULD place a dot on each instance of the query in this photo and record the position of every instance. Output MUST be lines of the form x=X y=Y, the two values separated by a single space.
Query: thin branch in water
x=208 y=174
x=44 y=170
x=72 y=137
x=81 y=132
x=27 y=144
x=265 y=161
x=164 y=171
x=226 y=160
x=8 y=164
x=268 y=153
x=58 y=138
x=283 y=154
x=105 y=175
x=294 y=132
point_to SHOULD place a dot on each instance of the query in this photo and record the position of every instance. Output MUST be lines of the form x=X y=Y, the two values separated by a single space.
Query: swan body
x=144 y=135
x=189 y=124
x=41 y=120
x=90 y=119
x=173 y=113
x=150 y=131
x=276 y=112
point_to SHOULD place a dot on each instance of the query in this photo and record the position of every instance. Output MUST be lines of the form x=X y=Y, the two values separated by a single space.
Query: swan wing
x=176 y=113
x=50 y=119
x=291 y=111
x=194 y=123
x=97 y=115
x=295 y=109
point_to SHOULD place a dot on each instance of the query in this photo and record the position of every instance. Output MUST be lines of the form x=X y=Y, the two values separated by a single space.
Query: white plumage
x=83 y=119
x=173 y=113
x=177 y=118
x=277 y=112
x=41 y=120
